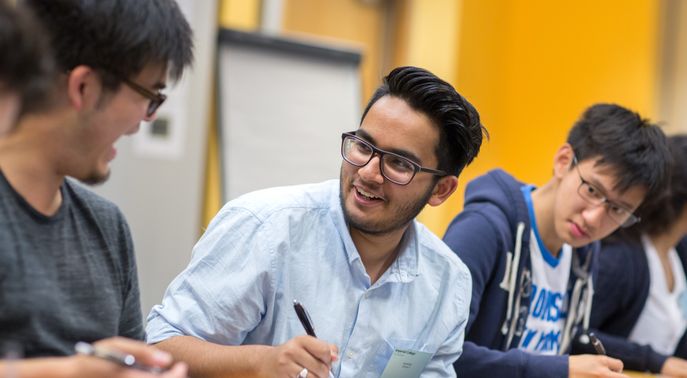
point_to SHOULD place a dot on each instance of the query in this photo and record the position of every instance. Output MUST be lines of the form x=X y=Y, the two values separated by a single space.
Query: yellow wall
x=238 y=14
x=355 y=22
x=531 y=66
x=430 y=39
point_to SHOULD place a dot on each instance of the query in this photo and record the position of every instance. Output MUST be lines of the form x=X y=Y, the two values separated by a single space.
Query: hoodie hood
x=498 y=191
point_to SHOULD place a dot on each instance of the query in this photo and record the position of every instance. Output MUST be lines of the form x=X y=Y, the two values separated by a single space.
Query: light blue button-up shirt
x=267 y=248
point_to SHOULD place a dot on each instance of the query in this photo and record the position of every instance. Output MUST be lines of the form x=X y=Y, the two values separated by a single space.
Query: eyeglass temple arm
x=433 y=171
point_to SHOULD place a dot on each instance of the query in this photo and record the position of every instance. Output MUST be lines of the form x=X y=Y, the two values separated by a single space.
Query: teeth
x=366 y=194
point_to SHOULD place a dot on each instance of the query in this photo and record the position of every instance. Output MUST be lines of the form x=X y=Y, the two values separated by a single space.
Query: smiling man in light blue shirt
x=386 y=297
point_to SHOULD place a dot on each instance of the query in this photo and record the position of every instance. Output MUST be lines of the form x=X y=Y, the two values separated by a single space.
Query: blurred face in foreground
x=9 y=109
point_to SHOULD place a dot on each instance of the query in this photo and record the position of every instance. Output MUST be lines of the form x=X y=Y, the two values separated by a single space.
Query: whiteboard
x=283 y=105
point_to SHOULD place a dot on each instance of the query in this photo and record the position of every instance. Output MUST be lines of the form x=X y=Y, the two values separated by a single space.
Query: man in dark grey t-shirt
x=65 y=277
x=67 y=269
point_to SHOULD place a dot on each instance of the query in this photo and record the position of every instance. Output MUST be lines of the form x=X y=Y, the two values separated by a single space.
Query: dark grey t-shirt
x=65 y=278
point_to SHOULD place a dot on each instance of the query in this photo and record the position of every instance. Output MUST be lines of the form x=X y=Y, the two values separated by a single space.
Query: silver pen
x=120 y=358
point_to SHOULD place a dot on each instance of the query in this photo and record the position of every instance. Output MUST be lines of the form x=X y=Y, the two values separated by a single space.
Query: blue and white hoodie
x=491 y=236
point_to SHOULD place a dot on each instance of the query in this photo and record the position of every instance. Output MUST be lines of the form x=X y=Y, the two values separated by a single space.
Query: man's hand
x=289 y=359
x=675 y=367
x=81 y=366
x=87 y=366
x=590 y=365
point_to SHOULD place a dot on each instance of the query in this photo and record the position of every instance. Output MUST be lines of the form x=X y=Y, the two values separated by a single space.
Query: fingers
x=674 y=367
x=317 y=357
x=179 y=370
x=144 y=353
x=306 y=352
x=614 y=364
x=333 y=352
x=319 y=349
x=588 y=365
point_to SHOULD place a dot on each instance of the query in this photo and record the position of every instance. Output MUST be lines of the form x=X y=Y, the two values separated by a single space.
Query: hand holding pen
x=585 y=365
x=119 y=357
x=305 y=320
x=302 y=356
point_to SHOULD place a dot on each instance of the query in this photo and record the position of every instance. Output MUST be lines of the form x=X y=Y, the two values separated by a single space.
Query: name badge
x=406 y=364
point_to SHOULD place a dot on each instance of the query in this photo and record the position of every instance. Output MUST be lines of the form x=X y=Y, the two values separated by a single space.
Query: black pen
x=304 y=318
x=596 y=343
x=120 y=358
x=306 y=322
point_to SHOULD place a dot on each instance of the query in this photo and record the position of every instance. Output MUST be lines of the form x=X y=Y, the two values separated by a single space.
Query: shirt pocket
x=382 y=354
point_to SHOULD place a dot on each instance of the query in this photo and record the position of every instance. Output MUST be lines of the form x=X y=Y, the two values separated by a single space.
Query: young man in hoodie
x=531 y=250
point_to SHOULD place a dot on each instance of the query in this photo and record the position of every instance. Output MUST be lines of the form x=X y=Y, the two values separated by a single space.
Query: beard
x=398 y=217
x=95 y=178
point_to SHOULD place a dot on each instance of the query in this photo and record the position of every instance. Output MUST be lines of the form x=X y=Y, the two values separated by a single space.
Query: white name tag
x=406 y=364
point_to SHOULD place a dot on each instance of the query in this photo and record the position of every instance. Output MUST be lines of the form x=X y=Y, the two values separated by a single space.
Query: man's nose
x=594 y=215
x=371 y=172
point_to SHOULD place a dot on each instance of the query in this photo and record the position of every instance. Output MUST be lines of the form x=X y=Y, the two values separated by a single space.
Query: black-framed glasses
x=156 y=99
x=394 y=167
x=592 y=195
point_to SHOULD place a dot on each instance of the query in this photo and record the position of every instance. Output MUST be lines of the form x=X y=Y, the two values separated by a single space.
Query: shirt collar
x=406 y=266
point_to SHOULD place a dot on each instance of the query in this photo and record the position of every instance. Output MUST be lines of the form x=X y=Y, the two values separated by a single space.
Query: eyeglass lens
x=156 y=99
x=593 y=196
x=395 y=168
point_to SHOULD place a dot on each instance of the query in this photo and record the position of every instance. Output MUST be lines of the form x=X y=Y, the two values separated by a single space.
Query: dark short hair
x=632 y=147
x=118 y=38
x=659 y=213
x=26 y=67
x=460 y=130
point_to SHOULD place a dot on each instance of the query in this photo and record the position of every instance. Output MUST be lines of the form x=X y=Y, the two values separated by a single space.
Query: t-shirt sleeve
x=131 y=320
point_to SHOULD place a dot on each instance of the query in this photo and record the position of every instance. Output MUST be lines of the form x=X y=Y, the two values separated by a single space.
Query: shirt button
x=367 y=294
x=350 y=355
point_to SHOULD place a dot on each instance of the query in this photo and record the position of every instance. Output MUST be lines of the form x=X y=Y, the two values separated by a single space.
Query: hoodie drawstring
x=509 y=279
x=582 y=282
x=583 y=291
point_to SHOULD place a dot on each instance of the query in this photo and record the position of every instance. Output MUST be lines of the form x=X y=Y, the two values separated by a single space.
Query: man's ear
x=83 y=88
x=563 y=160
x=442 y=190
